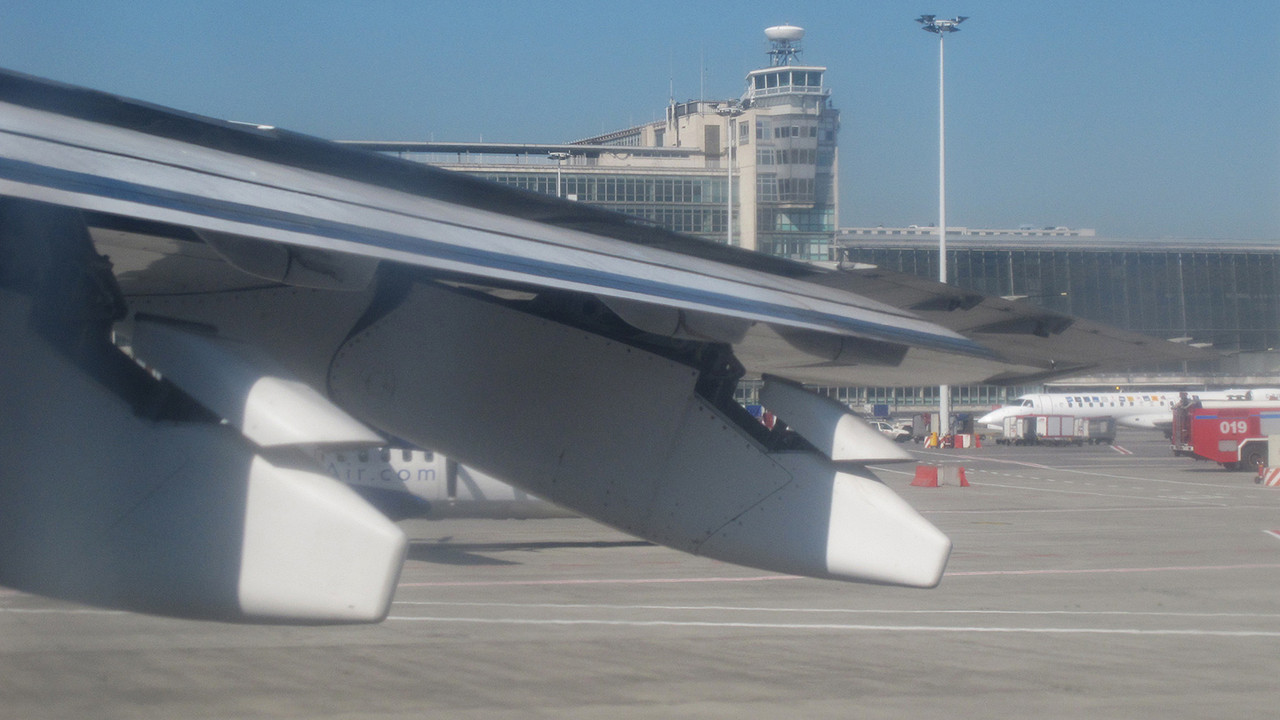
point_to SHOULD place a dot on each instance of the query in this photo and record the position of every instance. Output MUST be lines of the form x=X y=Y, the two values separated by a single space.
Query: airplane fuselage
x=1144 y=411
x=407 y=482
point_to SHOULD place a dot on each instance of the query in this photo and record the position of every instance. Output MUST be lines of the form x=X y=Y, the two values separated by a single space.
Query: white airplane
x=1141 y=410
x=411 y=483
x=278 y=292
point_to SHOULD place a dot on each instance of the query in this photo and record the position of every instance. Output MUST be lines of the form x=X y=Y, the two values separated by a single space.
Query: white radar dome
x=790 y=33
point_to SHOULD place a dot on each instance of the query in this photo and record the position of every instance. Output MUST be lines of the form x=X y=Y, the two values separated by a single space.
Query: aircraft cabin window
x=363 y=456
x=406 y=455
x=384 y=455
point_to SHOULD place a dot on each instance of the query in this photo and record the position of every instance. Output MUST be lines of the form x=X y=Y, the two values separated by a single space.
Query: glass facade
x=795 y=245
x=1229 y=298
x=693 y=205
x=795 y=181
x=787 y=81
x=901 y=400
x=601 y=189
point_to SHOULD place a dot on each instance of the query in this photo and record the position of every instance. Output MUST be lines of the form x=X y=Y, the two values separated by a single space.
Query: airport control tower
x=792 y=125
x=778 y=144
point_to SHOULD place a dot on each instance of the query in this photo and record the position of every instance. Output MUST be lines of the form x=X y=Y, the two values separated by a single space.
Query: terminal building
x=1223 y=296
x=760 y=172
x=757 y=171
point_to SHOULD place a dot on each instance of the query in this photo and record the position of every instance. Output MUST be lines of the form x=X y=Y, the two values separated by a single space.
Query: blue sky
x=1136 y=118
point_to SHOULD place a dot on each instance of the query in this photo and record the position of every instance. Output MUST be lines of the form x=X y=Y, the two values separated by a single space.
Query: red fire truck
x=1232 y=433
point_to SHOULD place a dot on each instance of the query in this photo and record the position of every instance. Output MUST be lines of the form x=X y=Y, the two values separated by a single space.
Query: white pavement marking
x=1200 y=500
x=976 y=458
x=615 y=581
x=60 y=611
x=843 y=611
x=827 y=627
x=1091 y=571
x=971 y=573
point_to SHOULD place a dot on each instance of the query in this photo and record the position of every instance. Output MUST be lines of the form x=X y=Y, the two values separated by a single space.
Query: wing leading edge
x=139 y=161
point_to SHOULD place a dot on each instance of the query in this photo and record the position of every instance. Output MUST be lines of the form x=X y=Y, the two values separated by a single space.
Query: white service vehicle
x=894 y=432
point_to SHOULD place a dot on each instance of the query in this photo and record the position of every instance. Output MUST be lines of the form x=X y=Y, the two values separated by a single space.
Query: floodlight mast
x=940 y=28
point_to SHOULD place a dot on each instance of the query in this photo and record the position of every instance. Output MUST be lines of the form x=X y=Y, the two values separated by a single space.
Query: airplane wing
x=191 y=301
x=1034 y=344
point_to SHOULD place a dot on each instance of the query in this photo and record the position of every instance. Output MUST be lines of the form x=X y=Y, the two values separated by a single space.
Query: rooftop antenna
x=671 y=81
x=786 y=44
x=702 y=74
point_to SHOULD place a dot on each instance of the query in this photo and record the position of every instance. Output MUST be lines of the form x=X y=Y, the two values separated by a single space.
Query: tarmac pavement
x=1084 y=582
